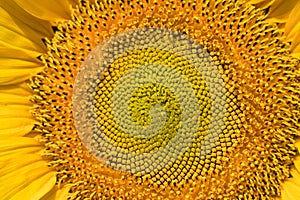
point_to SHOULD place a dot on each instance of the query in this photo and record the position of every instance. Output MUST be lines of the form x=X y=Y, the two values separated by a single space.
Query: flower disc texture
x=168 y=100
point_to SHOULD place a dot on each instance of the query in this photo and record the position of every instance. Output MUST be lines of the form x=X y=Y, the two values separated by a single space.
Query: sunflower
x=149 y=99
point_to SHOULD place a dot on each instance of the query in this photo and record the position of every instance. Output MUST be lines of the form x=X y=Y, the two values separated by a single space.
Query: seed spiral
x=153 y=65
x=249 y=158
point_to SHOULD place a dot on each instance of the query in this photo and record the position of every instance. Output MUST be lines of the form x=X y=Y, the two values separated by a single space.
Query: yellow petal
x=262 y=3
x=15 y=120
x=295 y=47
x=15 y=126
x=10 y=162
x=48 y=9
x=15 y=63
x=9 y=76
x=75 y=2
x=10 y=38
x=13 y=99
x=18 y=89
x=15 y=60
x=20 y=169
x=291 y=187
x=9 y=53
x=37 y=189
x=15 y=116
x=297 y=163
x=57 y=194
x=290 y=191
x=297 y=159
x=281 y=9
x=297 y=144
x=19 y=19
x=292 y=27
x=19 y=152
x=7 y=111
x=20 y=40
x=296 y=176
x=32 y=33
x=296 y=51
x=23 y=32
x=20 y=179
x=15 y=143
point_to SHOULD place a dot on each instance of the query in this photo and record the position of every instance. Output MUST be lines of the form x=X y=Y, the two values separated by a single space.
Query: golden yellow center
x=254 y=148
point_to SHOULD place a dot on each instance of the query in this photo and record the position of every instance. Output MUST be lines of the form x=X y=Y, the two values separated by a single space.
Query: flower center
x=145 y=78
x=132 y=106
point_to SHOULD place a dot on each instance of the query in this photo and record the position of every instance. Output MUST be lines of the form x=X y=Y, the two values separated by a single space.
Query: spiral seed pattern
x=133 y=108
x=152 y=79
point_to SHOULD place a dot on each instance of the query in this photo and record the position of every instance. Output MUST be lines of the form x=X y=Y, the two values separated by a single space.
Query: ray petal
x=38 y=188
x=48 y=10
x=280 y=10
x=26 y=175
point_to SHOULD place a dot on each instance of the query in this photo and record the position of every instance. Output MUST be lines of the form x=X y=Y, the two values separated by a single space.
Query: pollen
x=244 y=154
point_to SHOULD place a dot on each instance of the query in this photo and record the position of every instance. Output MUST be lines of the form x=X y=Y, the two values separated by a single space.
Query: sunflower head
x=167 y=100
